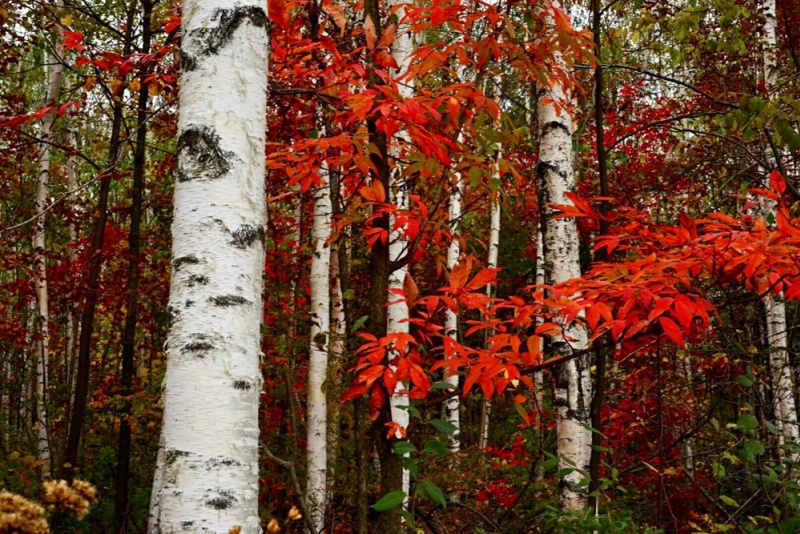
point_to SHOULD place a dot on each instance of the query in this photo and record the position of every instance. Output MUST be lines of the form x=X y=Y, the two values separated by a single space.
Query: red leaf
x=672 y=330
x=776 y=182
x=355 y=391
x=390 y=379
x=376 y=402
x=485 y=276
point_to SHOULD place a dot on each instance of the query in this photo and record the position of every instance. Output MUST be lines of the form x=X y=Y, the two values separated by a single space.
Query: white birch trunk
x=687 y=447
x=451 y=405
x=784 y=408
x=397 y=312
x=55 y=77
x=206 y=476
x=317 y=408
x=335 y=360
x=71 y=338
x=572 y=396
x=491 y=262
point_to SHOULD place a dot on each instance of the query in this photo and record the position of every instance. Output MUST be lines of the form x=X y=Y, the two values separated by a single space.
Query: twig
x=289 y=466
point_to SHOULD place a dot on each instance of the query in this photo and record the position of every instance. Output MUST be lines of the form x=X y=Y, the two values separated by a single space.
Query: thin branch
x=289 y=466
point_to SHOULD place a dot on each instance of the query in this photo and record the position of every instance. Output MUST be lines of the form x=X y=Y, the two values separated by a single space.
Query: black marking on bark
x=224 y=301
x=200 y=156
x=197 y=279
x=222 y=502
x=211 y=40
x=244 y=385
x=188 y=303
x=197 y=346
x=173 y=454
x=224 y=460
x=177 y=263
x=187 y=524
x=246 y=235
x=172 y=315
x=553 y=125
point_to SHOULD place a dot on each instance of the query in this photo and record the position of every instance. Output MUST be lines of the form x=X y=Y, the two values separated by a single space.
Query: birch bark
x=397 y=311
x=55 y=78
x=784 y=408
x=572 y=395
x=207 y=476
x=317 y=409
x=491 y=290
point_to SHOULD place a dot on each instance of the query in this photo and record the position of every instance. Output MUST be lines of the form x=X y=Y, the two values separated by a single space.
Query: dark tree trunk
x=129 y=334
x=70 y=462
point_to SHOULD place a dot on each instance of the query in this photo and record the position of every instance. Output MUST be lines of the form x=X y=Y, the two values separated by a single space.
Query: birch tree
x=207 y=469
x=783 y=403
x=397 y=312
x=55 y=78
x=317 y=420
x=572 y=396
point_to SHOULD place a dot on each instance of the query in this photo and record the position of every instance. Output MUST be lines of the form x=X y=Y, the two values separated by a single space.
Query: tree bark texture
x=572 y=396
x=207 y=469
x=55 y=78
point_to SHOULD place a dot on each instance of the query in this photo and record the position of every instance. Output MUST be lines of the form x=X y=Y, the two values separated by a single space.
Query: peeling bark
x=207 y=481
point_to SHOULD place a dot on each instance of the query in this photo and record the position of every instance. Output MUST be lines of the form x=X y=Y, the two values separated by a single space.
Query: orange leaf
x=375 y=193
x=484 y=277
x=458 y=276
x=369 y=32
x=410 y=290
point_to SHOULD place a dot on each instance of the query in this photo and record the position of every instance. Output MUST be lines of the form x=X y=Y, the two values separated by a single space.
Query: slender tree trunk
x=207 y=478
x=491 y=291
x=317 y=408
x=784 y=408
x=55 y=78
x=71 y=342
x=397 y=312
x=129 y=332
x=561 y=262
x=92 y=282
x=335 y=360
x=391 y=467
x=451 y=405
x=600 y=255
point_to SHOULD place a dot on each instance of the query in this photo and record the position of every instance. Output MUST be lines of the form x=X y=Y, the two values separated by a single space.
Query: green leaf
x=411 y=466
x=754 y=447
x=727 y=500
x=389 y=501
x=743 y=380
x=360 y=322
x=443 y=426
x=436 y=447
x=409 y=517
x=442 y=385
x=747 y=422
x=349 y=294
x=404 y=447
x=434 y=491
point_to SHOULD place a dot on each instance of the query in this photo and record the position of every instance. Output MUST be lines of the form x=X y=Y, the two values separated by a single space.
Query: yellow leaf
x=66 y=20
x=134 y=85
x=90 y=82
x=154 y=88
